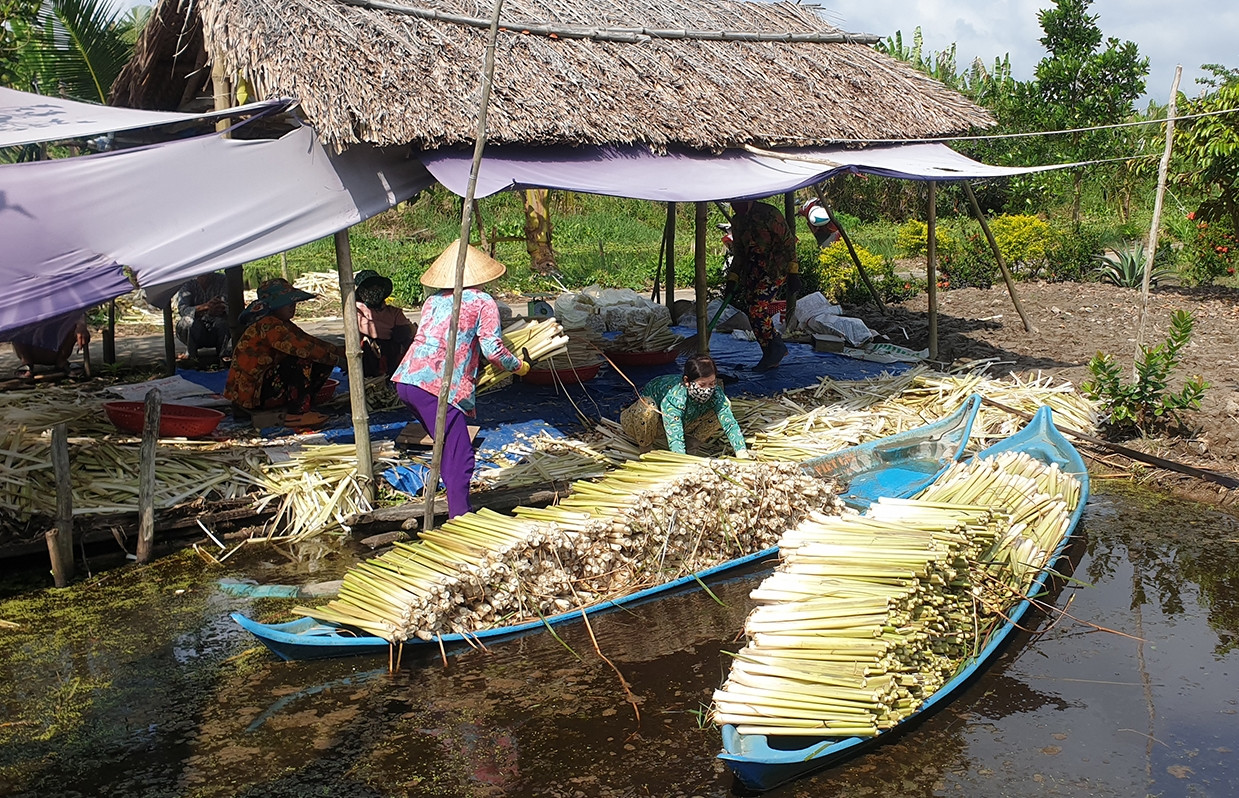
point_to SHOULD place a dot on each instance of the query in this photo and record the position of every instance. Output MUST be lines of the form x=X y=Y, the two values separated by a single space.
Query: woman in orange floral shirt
x=276 y=364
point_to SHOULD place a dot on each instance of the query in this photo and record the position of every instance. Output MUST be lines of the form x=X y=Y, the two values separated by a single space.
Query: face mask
x=700 y=394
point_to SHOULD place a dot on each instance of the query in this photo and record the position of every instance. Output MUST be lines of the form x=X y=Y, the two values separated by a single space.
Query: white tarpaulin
x=30 y=118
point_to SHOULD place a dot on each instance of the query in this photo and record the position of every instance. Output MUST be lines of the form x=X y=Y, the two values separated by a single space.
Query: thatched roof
x=385 y=77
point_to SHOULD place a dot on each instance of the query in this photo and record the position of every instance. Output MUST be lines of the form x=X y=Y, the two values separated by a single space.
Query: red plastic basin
x=644 y=358
x=175 y=421
x=567 y=375
x=326 y=393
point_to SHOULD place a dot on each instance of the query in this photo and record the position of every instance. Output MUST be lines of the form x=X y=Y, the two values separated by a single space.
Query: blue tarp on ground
x=523 y=410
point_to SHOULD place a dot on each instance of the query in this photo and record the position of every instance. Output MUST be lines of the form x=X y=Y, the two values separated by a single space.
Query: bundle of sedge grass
x=648 y=523
x=868 y=616
x=539 y=339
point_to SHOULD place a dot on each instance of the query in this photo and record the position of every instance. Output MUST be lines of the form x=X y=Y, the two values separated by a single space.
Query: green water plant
x=1148 y=402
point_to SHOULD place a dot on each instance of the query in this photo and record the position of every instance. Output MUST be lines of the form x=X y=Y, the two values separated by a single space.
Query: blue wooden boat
x=761 y=762
x=897 y=466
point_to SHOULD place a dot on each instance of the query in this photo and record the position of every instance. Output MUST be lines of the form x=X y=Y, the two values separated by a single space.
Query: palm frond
x=76 y=48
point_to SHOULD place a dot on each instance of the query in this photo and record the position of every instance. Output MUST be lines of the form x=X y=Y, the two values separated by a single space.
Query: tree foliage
x=16 y=16
x=1209 y=149
x=75 y=48
x=1081 y=84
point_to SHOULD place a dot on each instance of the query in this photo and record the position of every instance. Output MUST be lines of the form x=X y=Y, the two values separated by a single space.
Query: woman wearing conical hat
x=419 y=376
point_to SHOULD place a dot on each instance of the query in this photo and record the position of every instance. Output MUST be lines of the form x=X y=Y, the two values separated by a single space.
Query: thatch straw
x=391 y=77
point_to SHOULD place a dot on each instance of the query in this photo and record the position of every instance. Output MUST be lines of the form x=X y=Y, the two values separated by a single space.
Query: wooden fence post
x=146 y=475
x=60 y=537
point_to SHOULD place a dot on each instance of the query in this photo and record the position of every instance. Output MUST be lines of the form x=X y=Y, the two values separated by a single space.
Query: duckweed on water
x=58 y=666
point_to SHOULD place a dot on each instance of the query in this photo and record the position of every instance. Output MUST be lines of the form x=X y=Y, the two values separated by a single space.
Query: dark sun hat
x=278 y=292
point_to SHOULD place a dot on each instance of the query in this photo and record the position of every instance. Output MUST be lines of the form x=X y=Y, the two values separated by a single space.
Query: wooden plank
x=414 y=434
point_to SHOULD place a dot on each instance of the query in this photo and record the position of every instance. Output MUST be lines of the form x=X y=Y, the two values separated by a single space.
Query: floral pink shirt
x=479 y=335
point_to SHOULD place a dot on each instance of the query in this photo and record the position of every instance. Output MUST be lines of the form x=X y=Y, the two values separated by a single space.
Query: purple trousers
x=456 y=469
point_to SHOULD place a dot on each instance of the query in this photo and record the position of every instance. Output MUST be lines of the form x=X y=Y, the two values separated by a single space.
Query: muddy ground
x=1073 y=322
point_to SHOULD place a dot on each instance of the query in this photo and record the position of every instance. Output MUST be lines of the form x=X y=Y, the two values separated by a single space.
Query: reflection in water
x=165 y=707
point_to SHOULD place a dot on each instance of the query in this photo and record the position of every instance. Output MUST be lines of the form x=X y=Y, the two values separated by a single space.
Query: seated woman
x=674 y=408
x=51 y=343
x=276 y=365
x=201 y=307
x=385 y=331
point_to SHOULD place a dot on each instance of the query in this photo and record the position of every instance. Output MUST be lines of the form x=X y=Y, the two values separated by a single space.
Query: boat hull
x=760 y=765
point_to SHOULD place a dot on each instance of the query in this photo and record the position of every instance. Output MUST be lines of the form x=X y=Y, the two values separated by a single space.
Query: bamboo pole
x=931 y=267
x=169 y=340
x=1002 y=264
x=847 y=241
x=146 y=475
x=699 y=282
x=789 y=214
x=1155 y=224
x=449 y=359
x=234 y=276
x=669 y=237
x=60 y=537
x=352 y=356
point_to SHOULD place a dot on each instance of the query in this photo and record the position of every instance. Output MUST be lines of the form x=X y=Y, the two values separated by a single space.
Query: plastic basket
x=327 y=392
x=175 y=421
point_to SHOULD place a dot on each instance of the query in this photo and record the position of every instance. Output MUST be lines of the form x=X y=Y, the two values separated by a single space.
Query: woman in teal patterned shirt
x=671 y=408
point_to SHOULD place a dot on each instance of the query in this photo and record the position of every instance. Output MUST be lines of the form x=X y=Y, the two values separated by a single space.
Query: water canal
x=136 y=683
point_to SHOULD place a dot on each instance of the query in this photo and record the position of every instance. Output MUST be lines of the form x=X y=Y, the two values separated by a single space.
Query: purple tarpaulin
x=698 y=177
x=172 y=211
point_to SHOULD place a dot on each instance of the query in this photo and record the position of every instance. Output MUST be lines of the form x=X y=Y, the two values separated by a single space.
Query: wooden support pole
x=931 y=267
x=352 y=356
x=234 y=276
x=449 y=359
x=169 y=341
x=789 y=214
x=847 y=241
x=1155 y=224
x=699 y=281
x=146 y=474
x=109 y=335
x=60 y=537
x=669 y=236
x=1002 y=263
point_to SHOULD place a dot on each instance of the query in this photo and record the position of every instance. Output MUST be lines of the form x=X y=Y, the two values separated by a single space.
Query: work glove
x=794 y=284
x=526 y=363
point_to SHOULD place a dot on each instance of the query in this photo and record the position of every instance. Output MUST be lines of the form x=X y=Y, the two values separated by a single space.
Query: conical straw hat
x=480 y=268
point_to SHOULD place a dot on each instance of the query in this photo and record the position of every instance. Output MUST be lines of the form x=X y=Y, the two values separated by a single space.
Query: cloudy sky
x=1186 y=32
